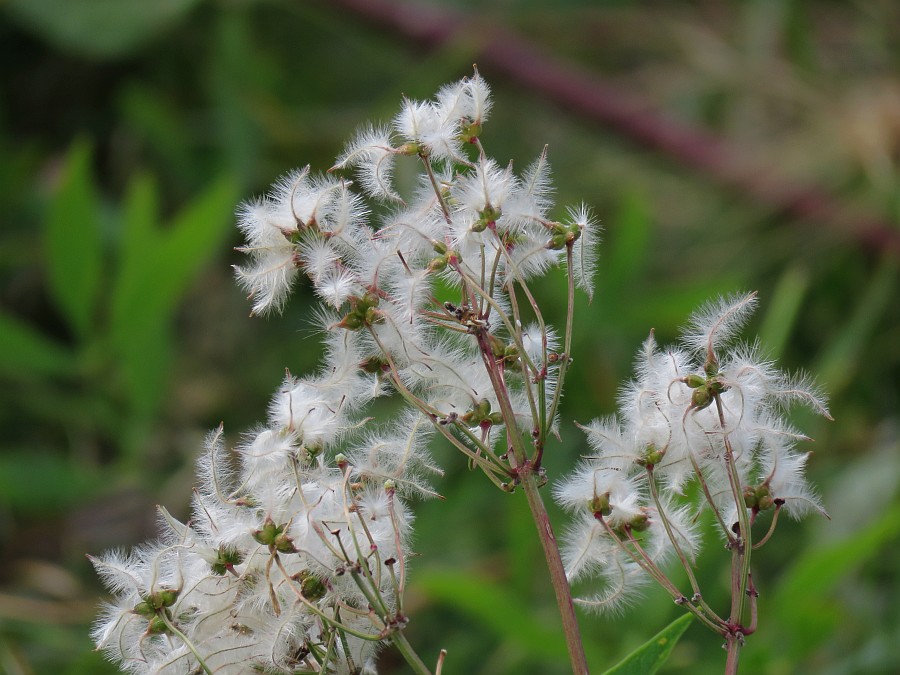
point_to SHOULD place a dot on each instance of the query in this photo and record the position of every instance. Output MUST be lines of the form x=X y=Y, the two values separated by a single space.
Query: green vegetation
x=129 y=131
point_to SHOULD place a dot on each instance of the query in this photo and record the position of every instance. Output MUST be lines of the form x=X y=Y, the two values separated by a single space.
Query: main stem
x=529 y=482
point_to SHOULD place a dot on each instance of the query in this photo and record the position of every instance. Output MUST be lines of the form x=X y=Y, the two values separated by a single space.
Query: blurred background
x=724 y=146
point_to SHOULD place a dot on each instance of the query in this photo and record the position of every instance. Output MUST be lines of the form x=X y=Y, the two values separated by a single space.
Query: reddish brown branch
x=504 y=51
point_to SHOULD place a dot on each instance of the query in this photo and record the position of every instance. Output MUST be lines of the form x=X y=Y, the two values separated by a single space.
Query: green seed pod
x=557 y=242
x=312 y=587
x=375 y=365
x=226 y=558
x=165 y=597
x=352 y=321
x=694 y=381
x=284 y=544
x=600 y=504
x=269 y=532
x=410 y=149
x=437 y=264
x=470 y=132
x=651 y=456
x=144 y=609
x=701 y=398
x=157 y=626
x=639 y=523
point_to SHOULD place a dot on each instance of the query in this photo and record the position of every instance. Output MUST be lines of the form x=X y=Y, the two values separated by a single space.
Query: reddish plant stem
x=556 y=568
x=501 y=50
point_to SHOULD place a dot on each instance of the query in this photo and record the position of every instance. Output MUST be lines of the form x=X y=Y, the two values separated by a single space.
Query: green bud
x=144 y=609
x=498 y=348
x=440 y=247
x=487 y=218
x=477 y=413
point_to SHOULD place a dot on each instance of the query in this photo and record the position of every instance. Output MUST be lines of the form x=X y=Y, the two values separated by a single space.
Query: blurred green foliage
x=129 y=131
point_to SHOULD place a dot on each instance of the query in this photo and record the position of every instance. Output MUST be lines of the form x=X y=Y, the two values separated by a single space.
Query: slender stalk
x=564 y=365
x=398 y=639
x=768 y=534
x=733 y=645
x=685 y=563
x=740 y=558
x=557 y=572
x=437 y=190
x=184 y=638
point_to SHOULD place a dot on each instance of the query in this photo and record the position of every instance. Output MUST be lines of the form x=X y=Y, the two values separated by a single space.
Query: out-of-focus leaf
x=25 y=351
x=838 y=363
x=500 y=610
x=803 y=599
x=193 y=239
x=233 y=86
x=97 y=28
x=42 y=483
x=73 y=246
x=155 y=119
x=156 y=270
x=652 y=655
x=138 y=241
x=628 y=233
x=783 y=308
x=523 y=548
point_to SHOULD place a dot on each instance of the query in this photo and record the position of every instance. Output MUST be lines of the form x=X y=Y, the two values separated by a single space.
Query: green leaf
x=193 y=239
x=156 y=120
x=72 y=243
x=98 y=28
x=42 y=483
x=650 y=657
x=783 y=309
x=26 y=351
x=838 y=364
x=629 y=234
x=155 y=271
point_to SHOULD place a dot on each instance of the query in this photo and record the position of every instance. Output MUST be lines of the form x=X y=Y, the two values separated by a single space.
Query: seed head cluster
x=296 y=554
x=708 y=412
